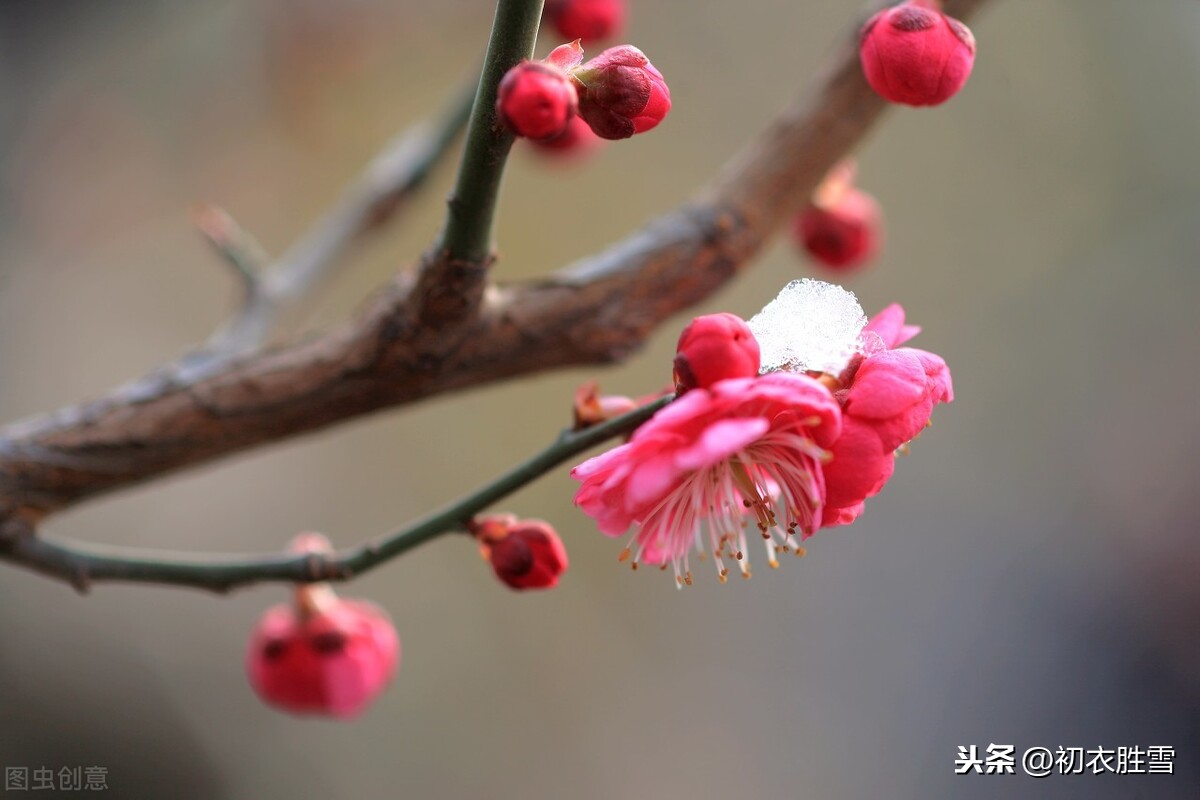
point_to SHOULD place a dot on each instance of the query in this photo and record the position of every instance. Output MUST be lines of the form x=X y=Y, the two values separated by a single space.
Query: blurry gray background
x=1029 y=577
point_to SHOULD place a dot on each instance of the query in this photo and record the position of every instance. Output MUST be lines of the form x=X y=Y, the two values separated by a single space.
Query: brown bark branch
x=271 y=289
x=597 y=310
x=81 y=564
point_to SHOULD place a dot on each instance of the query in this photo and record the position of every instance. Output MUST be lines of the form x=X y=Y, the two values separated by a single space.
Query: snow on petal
x=810 y=326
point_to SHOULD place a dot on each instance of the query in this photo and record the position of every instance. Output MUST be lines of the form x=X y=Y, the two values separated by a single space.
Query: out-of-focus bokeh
x=1030 y=577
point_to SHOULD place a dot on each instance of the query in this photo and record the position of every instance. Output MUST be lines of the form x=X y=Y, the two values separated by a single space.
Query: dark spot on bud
x=512 y=556
x=605 y=123
x=830 y=243
x=328 y=642
x=910 y=19
x=274 y=649
x=625 y=91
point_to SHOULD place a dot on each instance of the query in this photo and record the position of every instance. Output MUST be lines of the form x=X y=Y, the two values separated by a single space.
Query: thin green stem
x=468 y=233
x=82 y=564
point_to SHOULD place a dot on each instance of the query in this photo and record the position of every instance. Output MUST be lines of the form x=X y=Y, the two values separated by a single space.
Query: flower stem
x=82 y=564
x=468 y=232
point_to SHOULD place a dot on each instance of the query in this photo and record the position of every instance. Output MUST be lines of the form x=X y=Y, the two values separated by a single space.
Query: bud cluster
x=616 y=94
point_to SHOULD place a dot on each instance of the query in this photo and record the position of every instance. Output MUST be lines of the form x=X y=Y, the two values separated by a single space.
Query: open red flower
x=887 y=399
x=744 y=446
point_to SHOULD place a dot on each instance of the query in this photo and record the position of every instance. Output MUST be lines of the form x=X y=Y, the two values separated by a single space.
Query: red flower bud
x=592 y=408
x=577 y=140
x=914 y=54
x=322 y=655
x=712 y=348
x=843 y=226
x=843 y=236
x=536 y=100
x=588 y=20
x=524 y=554
x=621 y=93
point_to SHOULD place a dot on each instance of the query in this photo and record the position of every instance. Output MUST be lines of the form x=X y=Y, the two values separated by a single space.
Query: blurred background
x=1030 y=576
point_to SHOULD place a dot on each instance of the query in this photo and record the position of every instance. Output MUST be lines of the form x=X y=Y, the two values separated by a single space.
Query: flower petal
x=721 y=440
x=860 y=467
x=889 y=325
x=835 y=517
x=886 y=385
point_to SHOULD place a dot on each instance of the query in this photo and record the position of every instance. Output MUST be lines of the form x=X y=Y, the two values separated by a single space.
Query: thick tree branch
x=597 y=310
x=271 y=289
x=81 y=565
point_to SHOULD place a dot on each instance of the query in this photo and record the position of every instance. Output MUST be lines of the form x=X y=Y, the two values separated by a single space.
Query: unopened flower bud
x=621 y=93
x=588 y=20
x=322 y=655
x=843 y=236
x=524 y=553
x=914 y=54
x=536 y=100
x=842 y=228
x=713 y=348
x=592 y=408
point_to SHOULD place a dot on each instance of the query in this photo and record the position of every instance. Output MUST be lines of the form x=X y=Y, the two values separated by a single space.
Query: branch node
x=449 y=290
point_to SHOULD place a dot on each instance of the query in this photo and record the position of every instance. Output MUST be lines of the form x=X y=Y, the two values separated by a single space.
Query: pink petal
x=566 y=56
x=895 y=431
x=834 y=517
x=886 y=385
x=721 y=440
x=860 y=466
x=649 y=481
x=939 y=383
x=889 y=325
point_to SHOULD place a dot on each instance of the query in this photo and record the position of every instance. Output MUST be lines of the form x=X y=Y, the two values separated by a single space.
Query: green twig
x=82 y=565
x=468 y=232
